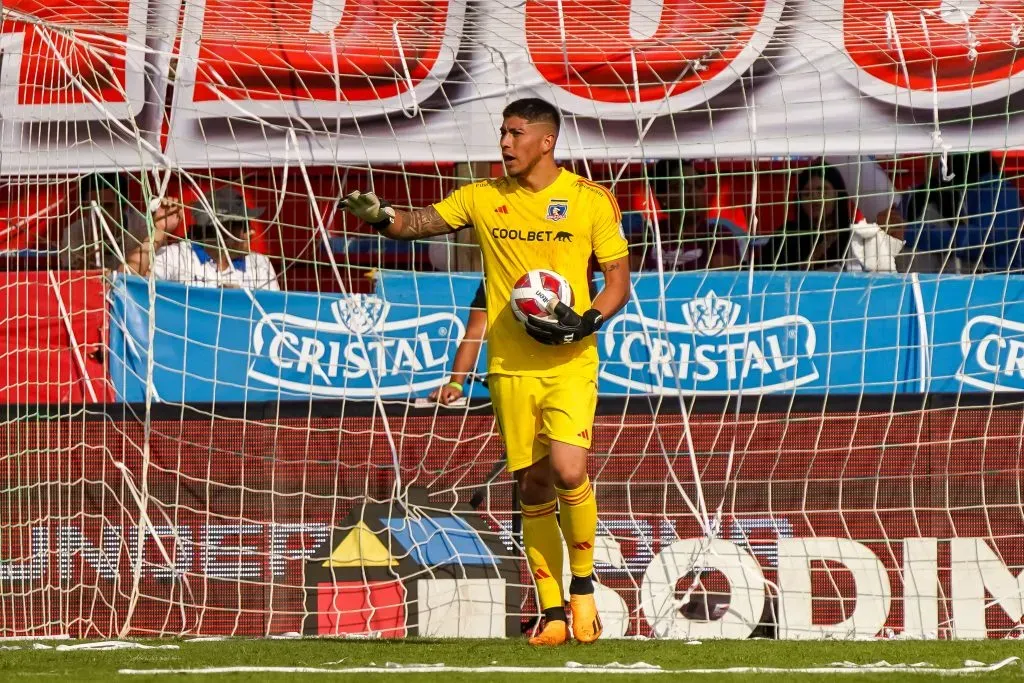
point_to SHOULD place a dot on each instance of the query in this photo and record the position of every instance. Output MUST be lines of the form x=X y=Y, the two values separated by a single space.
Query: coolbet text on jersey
x=557 y=228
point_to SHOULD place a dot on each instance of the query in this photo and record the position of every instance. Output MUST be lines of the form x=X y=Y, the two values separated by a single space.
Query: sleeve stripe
x=607 y=193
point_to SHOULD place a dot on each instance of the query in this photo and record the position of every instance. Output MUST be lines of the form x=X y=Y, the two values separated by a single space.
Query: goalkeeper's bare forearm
x=616 y=289
x=417 y=224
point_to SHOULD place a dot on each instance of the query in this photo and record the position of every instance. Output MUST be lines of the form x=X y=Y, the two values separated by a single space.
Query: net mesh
x=849 y=481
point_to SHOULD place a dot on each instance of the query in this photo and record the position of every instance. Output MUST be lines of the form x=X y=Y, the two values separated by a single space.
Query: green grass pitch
x=338 y=655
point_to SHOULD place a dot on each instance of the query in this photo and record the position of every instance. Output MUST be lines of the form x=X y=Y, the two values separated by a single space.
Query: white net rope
x=808 y=425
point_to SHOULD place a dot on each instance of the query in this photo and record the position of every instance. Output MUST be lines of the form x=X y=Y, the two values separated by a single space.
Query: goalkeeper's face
x=525 y=143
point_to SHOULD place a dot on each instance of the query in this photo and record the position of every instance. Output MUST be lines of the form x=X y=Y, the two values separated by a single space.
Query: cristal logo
x=711 y=315
x=709 y=351
x=361 y=314
x=993 y=354
x=357 y=353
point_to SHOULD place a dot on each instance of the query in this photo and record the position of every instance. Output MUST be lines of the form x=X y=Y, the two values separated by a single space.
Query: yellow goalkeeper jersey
x=557 y=228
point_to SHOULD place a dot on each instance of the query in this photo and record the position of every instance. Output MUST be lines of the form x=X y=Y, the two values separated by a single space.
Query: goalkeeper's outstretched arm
x=398 y=225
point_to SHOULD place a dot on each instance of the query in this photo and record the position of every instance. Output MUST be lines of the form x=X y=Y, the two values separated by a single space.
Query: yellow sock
x=579 y=526
x=544 y=552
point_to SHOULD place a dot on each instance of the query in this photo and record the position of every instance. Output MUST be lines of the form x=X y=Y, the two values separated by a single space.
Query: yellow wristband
x=456 y=385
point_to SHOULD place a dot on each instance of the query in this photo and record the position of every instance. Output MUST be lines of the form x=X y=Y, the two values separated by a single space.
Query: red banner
x=62 y=75
x=932 y=53
x=416 y=82
x=683 y=79
x=52 y=337
x=869 y=523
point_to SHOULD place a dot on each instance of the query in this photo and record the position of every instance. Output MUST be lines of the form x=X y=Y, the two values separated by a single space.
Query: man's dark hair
x=534 y=110
x=97 y=182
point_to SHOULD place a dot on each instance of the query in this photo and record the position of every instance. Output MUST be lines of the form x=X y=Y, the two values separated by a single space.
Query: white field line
x=427 y=669
x=15 y=639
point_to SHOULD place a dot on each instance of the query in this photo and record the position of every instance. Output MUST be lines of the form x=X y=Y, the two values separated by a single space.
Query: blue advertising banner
x=976 y=333
x=236 y=345
x=728 y=333
x=694 y=333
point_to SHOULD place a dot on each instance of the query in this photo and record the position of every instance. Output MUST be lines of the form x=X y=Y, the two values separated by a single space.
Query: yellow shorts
x=533 y=411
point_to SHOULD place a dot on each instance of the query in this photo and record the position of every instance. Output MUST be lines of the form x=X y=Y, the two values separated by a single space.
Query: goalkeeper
x=543 y=380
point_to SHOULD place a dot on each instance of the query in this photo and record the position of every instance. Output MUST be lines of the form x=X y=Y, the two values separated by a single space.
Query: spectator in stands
x=817 y=237
x=689 y=241
x=217 y=256
x=969 y=223
x=114 y=235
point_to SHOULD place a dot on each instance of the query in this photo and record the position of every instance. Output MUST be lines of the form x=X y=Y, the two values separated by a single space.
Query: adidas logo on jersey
x=585 y=434
x=501 y=209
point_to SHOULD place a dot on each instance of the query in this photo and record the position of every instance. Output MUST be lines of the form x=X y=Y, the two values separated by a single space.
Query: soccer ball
x=535 y=291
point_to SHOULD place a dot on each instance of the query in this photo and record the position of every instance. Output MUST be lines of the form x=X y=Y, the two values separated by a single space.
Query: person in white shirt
x=218 y=252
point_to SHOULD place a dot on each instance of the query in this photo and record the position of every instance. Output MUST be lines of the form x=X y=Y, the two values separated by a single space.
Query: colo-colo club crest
x=708 y=351
x=352 y=348
x=558 y=209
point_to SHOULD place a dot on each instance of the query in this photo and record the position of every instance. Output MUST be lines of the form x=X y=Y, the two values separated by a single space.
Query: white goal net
x=809 y=423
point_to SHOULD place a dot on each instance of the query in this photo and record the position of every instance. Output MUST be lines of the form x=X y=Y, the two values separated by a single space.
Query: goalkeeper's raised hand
x=370 y=208
x=398 y=225
x=568 y=328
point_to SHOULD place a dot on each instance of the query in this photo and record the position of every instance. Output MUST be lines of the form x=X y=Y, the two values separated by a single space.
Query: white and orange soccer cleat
x=586 y=623
x=554 y=633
